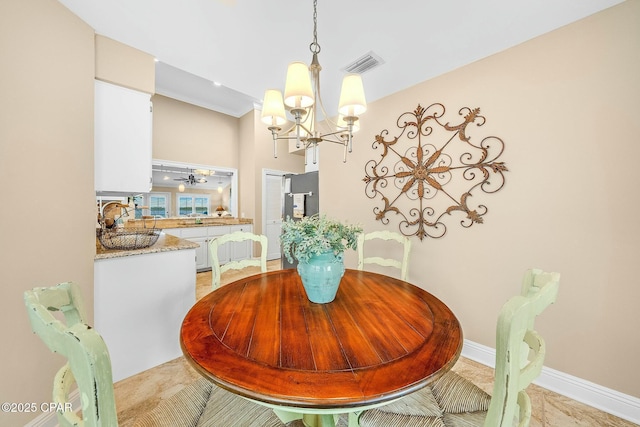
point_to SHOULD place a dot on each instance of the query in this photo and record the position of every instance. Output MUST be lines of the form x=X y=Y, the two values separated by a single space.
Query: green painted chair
x=88 y=362
x=401 y=264
x=452 y=401
x=89 y=367
x=237 y=236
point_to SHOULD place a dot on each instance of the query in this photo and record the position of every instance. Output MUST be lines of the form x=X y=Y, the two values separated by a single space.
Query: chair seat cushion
x=456 y=394
x=451 y=401
x=183 y=409
x=421 y=403
x=227 y=409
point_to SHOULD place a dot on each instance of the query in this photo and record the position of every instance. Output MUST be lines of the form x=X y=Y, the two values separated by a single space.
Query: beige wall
x=565 y=104
x=186 y=133
x=123 y=65
x=247 y=178
x=46 y=156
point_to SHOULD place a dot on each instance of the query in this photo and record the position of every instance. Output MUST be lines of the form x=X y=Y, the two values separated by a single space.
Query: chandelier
x=302 y=97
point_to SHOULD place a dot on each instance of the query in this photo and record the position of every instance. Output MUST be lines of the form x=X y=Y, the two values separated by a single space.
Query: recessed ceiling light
x=217 y=84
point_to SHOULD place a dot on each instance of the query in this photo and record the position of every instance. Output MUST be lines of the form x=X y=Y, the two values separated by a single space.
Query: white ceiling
x=246 y=44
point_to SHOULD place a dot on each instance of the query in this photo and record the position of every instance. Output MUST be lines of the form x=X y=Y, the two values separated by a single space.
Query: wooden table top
x=381 y=338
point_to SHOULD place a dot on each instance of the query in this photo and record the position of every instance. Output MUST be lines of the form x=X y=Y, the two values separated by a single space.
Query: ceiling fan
x=191 y=180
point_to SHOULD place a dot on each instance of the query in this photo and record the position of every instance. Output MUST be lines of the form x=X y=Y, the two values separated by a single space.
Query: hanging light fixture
x=302 y=96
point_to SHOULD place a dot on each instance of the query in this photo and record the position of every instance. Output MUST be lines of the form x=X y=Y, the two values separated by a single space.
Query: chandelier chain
x=314 y=47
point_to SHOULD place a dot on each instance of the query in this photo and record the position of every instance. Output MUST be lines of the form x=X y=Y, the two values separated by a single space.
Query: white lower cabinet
x=172 y=231
x=202 y=252
x=241 y=250
x=223 y=252
x=202 y=236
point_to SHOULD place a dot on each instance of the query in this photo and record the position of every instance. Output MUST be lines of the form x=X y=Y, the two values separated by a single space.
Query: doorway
x=273 y=209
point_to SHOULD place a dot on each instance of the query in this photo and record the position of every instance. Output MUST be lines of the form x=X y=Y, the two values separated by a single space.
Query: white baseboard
x=603 y=398
x=50 y=419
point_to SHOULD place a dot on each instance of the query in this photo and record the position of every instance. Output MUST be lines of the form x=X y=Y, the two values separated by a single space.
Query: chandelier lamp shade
x=302 y=99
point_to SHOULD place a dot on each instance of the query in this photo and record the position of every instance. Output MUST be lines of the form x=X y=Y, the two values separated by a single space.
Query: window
x=158 y=204
x=190 y=204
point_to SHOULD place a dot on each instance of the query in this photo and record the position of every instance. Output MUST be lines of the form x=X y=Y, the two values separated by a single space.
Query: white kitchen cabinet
x=232 y=251
x=201 y=236
x=172 y=231
x=202 y=253
x=241 y=250
x=122 y=139
x=224 y=254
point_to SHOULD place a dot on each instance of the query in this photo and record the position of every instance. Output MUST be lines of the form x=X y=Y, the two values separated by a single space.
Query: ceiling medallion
x=431 y=169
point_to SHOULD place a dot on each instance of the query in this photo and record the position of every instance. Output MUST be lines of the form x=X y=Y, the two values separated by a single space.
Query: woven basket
x=128 y=238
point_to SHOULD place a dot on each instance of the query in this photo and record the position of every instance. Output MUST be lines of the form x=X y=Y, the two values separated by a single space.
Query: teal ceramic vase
x=321 y=276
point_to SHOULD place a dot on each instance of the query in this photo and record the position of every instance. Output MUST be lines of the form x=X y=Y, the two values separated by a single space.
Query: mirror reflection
x=189 y=190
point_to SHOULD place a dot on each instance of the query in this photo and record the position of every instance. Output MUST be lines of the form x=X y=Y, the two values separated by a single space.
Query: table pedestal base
x=318 y=420
x=315 y=419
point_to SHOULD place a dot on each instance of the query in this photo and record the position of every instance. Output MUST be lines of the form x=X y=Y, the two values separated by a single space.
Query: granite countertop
x=166 y=242
x=207 y=221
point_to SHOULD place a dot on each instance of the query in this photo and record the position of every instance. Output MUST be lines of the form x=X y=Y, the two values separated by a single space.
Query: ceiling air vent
x=364 y=63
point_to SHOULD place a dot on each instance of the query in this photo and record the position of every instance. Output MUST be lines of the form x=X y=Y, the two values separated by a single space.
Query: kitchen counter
x=165 y=243
x=206 y=221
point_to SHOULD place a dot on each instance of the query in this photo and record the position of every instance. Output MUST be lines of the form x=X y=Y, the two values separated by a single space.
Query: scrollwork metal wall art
x=427 y=164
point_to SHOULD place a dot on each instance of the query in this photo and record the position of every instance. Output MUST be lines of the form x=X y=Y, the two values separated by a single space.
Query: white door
x=272 y=210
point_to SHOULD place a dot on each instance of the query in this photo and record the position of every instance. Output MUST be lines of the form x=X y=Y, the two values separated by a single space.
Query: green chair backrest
x=237 y=236
x=401 y=263
x=520 y=351
x=88 y=363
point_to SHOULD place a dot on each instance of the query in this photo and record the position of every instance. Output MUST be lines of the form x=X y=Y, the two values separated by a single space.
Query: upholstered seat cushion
x=451 y=401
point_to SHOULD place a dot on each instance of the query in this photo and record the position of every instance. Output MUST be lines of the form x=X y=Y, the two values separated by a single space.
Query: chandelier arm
x=283 y=137
x=334 y=141
x=338 y=132
x=274 y=134
x=281 y=133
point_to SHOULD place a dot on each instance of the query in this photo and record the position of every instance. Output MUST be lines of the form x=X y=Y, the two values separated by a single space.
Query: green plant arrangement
x=315 y=235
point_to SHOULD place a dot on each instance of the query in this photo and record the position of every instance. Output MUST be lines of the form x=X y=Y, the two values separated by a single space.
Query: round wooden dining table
x=380 y=339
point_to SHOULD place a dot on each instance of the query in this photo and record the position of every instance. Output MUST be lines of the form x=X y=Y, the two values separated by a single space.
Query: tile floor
x=142 y=392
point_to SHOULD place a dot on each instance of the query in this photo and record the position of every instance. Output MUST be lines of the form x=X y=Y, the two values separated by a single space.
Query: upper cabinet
x=123 y=126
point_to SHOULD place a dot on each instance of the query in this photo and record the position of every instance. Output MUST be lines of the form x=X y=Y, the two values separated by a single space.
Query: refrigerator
x=301 y=199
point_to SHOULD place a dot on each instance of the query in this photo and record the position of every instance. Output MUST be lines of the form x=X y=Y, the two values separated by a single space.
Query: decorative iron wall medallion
x=431 y=170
